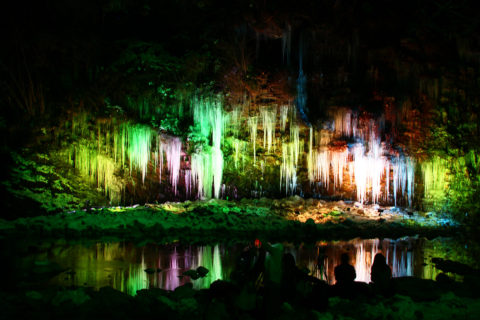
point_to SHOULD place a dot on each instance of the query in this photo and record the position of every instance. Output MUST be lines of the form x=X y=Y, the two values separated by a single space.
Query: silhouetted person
x=300 y=288
x=345 y=275
x=296 y=284
x=345 y=272
x=381 y=275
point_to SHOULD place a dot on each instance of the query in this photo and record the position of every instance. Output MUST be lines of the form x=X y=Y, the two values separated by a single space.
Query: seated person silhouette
x=345 y=275
x=381 y=275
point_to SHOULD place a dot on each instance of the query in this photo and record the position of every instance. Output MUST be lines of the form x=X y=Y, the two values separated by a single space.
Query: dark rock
x=193 y=274
x=183 y=292
x=202 y=271
x=453 y=266
x=150 y=270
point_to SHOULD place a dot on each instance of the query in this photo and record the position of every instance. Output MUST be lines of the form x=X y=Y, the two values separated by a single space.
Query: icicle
x=434 y=176
x=368 y=170
x=283 y=117
x=387 y=180
x=360 y=167
x=139 y=141
x=295 y=139
x=217 y=168
x=188 y=183
x=287 y=43
x=301 y=100
x=172 y=146
x=403 y=178
x=239 y=148
x=207 y=171
x=202 y=175
x=310 y=168
x=343 y=122
x=288 y=169
x=410 y=180
x=338 y=161
x=207 y=165
x=252 y=123
x=235 y=120
x=269 y=119
x=160 y=159
x=322 y=167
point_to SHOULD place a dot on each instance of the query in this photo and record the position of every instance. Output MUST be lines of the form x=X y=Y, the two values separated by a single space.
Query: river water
x=122 y=265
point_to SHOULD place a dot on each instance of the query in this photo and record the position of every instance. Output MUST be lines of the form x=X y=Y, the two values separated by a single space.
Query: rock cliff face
x=127 y=103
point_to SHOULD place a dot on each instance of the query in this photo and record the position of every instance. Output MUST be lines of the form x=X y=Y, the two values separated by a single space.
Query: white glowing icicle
x=172 y=147
x=322 y=167
x=338 y=162
x=403 y=178
x=188 y=183
x=283 y=117
x=368 y=170
x=387 y=180
x=360 y=169
x=311 y=176
x=410 y=180
x=268 y=119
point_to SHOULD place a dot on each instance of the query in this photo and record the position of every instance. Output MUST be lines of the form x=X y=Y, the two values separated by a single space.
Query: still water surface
x=122 y=265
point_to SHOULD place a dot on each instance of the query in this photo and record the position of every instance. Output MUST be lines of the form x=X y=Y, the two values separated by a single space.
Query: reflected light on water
x=122 y=265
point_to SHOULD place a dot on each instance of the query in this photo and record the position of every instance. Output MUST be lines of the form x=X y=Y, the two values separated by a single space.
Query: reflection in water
x=399 y=254
x=122 y=265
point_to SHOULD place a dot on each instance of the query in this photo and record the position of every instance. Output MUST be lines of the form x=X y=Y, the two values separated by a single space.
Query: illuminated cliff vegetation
x=240 y=100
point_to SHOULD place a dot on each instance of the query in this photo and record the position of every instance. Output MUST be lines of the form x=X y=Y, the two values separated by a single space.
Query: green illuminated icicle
x=207 y=164
x=139 y=142
x=297 y=143
x=288 y=169
x=252 y=124
x=434 y=177
x=239 y=147
x=235 y=120
x=98 y=169
x=290 y=157
x=268 y=122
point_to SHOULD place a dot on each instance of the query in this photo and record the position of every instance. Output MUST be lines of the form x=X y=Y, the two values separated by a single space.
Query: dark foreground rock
x=413 y=299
